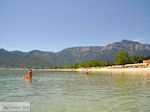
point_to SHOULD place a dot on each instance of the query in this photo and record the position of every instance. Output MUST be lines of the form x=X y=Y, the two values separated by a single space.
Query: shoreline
x=142 y=71
x=110 y=70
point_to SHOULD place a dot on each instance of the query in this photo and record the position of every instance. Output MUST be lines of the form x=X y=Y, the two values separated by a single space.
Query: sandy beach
x=139 y=71
x=117 y=70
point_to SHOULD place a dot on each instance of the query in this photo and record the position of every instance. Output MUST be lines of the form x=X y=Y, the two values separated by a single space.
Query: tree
x=106 y=63
x=140 y=59
x=95 y=63
x=137 y=59
x=76 y=65
x=122 y=57
x=86 y=64
x=92 y=63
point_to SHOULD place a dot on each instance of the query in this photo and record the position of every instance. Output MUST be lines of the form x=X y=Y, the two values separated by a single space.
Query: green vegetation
x=122 y=58
x=138 y=59
x=21 y=60
x=83 y=55
x=87 y=64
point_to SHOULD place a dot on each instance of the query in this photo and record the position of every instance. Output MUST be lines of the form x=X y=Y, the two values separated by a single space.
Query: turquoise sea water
x=76 y=92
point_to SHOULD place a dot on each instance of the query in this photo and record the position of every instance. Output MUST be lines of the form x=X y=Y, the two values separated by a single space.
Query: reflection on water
x=29 y=81
x=77 y=92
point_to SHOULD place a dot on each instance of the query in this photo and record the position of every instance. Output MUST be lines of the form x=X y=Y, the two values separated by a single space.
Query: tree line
x=122 y=58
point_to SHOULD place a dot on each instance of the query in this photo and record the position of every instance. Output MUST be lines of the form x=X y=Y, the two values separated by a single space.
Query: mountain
x=21 y=59
x=103 y=53
x=69 y=56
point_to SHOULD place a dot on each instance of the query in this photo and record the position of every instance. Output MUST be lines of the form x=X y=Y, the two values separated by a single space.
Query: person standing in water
x=30 y=73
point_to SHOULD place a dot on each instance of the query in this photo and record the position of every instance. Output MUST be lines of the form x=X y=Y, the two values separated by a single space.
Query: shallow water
x=76 y=92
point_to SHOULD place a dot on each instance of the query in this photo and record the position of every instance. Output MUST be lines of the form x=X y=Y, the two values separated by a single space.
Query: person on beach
x=86 y=73
x=30 y=73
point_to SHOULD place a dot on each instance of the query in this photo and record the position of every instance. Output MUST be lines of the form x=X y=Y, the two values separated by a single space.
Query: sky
x=53 y=25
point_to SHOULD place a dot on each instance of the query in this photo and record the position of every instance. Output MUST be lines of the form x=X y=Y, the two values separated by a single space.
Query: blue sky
x=52 y=25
